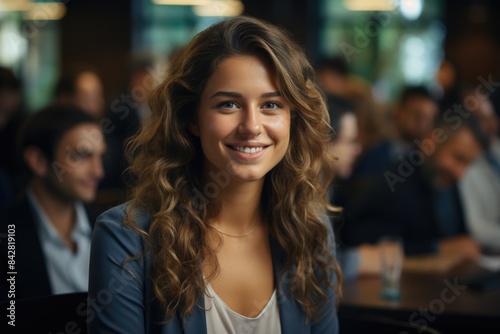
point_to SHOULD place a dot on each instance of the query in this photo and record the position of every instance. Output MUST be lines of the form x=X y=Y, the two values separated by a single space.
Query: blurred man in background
x=413 y=119
x=61 y=148
x=417 y=198
x=480 y=186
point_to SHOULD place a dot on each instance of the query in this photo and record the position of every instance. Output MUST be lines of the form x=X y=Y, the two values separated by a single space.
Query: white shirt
x=222 y=320
x=68 y=272
x=480 y=192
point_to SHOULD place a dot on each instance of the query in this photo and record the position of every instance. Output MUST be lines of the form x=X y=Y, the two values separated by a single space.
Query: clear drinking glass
x=392 y=253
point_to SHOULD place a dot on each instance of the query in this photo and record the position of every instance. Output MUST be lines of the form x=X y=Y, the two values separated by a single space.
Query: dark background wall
x=99 y=33
x=473 y=37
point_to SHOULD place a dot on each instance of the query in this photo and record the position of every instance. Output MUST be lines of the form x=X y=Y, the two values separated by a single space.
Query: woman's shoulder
x=116 y=217
x=111 y=228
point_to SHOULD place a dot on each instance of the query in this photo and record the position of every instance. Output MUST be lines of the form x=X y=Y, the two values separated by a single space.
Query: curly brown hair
x=165 y=159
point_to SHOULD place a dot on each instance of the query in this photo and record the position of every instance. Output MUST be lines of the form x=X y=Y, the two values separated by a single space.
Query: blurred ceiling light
x=411 y=9
x=370 y=5
x=45 y=11
x=14 y=5
x=182 y=2
x=220 y=8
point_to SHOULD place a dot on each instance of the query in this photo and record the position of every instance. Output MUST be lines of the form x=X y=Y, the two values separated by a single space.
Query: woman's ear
x=35 y=160
x=194 y=128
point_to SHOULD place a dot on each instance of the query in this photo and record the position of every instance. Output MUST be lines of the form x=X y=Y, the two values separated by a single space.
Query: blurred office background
x=386 y=42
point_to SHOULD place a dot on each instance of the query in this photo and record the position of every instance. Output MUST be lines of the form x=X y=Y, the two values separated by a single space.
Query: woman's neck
x=240 y=207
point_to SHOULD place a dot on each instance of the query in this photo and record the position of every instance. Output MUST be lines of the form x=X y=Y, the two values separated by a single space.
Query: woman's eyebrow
x=271 y=94
x=226 y=94
x=234 y=94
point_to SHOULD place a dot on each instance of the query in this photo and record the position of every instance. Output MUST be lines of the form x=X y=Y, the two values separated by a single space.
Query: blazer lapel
x=292 y=318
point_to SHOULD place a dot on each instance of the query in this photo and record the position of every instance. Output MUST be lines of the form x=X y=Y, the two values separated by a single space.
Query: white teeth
x=248 y=149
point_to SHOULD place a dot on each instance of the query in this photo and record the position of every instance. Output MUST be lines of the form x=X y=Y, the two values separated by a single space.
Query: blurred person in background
x=83 y=89
x=125 y=115
x=417 y=198
x=364 y=259
x=480 y=186
x=448 y=80
x=11 y=116
x=334 y=77
x=61 y=148
x=332 y=74
x=413 y=118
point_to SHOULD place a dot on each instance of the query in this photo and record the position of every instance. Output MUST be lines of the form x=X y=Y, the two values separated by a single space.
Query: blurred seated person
x=417 y=199
x=363 y=259
x=11 y=117
x=336 y=80
x=344 y=144
x=413 y=119
x=332 y=74
x=127 y=111
x=61 y=148
x=83 y=89
x=480 y=186
x=448 y=80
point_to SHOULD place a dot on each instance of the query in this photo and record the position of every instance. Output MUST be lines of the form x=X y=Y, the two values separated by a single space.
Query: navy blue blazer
x=408 y=212
x=122 y=300
x=32 y=279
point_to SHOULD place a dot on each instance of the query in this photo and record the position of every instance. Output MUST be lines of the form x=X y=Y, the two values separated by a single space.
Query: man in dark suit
x=61 y=148
x=417 y=198
x=413 y=118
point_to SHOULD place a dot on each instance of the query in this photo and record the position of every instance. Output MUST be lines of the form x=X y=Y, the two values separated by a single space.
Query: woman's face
x=243 y=122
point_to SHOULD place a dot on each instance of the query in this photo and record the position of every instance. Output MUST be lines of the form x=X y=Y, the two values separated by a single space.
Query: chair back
x=55 y=314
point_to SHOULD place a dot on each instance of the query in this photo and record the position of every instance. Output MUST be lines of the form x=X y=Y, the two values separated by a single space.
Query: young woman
x=226 y=231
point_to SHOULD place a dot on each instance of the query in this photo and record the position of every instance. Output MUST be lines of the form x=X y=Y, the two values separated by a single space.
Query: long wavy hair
x=165 y=163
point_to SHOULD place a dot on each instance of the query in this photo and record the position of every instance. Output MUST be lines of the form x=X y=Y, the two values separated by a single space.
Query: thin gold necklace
x=234 y=235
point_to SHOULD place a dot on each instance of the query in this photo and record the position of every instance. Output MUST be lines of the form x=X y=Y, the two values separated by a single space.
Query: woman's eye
x=227 y=105
x=271 y=105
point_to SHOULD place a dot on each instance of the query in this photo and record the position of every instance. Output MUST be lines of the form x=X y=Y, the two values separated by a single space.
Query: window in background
x=29 y=45
x=162 y=26
x=388 y=42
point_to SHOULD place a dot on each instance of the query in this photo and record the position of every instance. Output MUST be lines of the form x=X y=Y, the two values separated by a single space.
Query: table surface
x=441 y=293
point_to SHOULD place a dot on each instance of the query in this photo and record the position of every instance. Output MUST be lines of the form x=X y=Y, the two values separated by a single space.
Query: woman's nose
x=251 y=122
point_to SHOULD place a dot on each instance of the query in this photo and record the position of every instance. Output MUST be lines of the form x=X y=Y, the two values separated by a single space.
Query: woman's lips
x=247 y=152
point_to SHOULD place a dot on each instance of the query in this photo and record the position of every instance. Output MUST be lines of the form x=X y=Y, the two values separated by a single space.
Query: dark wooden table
x=439 y=301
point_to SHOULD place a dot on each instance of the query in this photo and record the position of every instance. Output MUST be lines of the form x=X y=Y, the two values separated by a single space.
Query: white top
x=480 y=192
x=68 y=272
x=222 y=320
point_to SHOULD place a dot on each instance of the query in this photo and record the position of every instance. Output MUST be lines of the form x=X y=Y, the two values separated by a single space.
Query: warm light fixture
x=370 y=5
x=45 y=11
x=182 y=2
x=14 y=5
x=220 y=8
